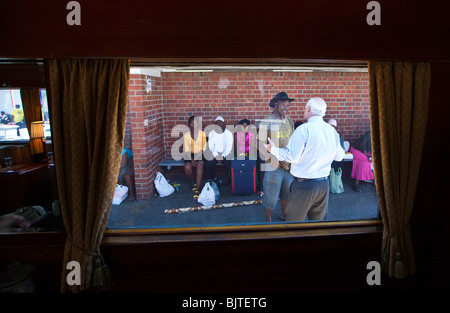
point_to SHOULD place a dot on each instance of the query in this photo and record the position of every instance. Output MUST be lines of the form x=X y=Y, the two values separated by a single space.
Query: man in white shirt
x=220 y=144
x=311 y=149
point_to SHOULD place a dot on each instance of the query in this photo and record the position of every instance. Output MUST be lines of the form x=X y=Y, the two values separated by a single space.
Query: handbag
x=336 y=185
x=162 y=186
x=207 y=196
x=120 y=194
x=31 y=213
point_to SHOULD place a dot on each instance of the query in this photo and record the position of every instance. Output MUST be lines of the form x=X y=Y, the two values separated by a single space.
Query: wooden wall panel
x=22 y=74
x=232 y=28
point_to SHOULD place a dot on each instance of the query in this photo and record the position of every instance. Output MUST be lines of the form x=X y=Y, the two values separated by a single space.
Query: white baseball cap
x=220 y=118
x=333 y=122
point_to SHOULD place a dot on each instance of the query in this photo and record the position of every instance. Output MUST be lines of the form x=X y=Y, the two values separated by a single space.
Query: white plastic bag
x=346 y=146
x=120 y=194
x=215 y=188
x=207 y=196
x=162 y=186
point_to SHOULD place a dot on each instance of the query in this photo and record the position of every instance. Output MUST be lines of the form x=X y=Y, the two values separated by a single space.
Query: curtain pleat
x=399 y=93
x=89 y=103
x=32 y=111
x=31 y=103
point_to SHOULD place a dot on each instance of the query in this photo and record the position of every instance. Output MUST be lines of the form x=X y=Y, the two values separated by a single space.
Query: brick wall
x=238 y=95
x=234 y=95
x=143 y=133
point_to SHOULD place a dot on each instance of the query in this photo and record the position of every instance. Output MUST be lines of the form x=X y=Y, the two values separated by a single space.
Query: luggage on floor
x=336 y=185
x=243 y=176
x=120 y=194
x=207 y=196
x=162 y=185
x=214 y=186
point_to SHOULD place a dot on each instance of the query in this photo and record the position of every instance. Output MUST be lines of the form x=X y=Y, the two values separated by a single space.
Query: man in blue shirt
x=311 y=149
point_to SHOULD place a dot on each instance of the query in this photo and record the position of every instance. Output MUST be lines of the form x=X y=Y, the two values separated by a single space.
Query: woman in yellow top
x=194 y=146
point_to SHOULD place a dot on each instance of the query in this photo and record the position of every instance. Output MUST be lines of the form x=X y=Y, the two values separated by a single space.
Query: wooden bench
x=170 y=162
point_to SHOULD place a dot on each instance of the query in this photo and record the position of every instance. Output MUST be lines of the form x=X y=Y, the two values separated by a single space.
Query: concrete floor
x=349 y=205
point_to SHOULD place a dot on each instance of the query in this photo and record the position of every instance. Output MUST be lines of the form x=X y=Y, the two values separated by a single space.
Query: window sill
x=15 y=142
x=245 y=232
x=49 y=246
x=48 y=140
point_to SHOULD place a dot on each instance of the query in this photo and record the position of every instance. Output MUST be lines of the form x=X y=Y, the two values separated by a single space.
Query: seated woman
x=126 y=172
x=194 y=146
x=244 y=139
x=362 y=167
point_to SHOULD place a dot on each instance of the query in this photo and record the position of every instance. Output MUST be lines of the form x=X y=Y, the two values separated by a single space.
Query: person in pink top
x=362 y=167
x=244 y=139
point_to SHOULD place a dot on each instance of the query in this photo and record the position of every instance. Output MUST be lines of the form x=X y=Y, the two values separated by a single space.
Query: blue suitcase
x=243 y=176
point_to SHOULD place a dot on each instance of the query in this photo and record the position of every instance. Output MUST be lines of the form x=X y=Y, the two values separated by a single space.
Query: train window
x=163 y=100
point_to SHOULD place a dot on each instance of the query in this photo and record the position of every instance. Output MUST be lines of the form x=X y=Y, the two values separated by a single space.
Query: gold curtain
x=89 y=105
x=31 y=102
x=399 y=93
